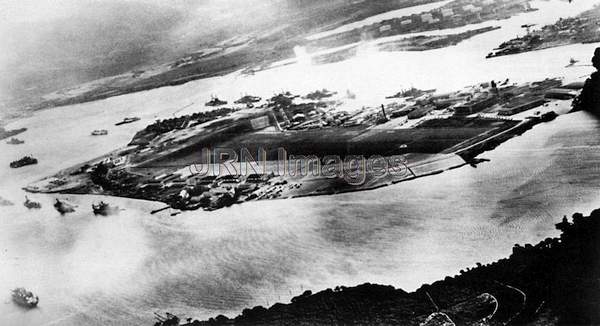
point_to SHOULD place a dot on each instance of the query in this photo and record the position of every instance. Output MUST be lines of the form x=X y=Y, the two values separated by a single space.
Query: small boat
x=127 y=120
x=15 y=141
x=63 y=208
x=31 y=204
x=24 y=298
x=215 y=101
x=572 y=62
x=27 y=160
x=101 y=132
x=104 y=209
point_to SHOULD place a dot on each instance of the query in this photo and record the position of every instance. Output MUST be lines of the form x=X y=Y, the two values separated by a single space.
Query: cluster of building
x=210 y=191
x=454 y=14
x=166 y=125
x=496 y=97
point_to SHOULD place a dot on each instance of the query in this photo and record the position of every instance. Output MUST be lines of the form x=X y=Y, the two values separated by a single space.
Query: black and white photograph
x=299 y=162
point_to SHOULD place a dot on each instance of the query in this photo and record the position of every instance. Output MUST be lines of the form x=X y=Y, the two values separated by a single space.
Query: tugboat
x=31 y=204
x=27 y=160
x=102 y=132
x=25 y=298
x=63 y=208
x=127 y=120
x=215 y=102
x=104 y=209
x=15 y=141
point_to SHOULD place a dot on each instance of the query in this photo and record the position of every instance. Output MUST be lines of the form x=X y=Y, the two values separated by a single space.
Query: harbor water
x=118 y=270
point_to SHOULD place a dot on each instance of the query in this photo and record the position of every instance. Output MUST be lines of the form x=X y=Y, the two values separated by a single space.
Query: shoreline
x=253 y=58
x=497 y=293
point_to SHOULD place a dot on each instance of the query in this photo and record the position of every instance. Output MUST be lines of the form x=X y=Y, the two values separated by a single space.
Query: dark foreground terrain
x=556 y=282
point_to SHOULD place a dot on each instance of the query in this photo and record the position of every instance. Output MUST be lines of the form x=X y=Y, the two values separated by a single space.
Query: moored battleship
x=30 y=204
x=104 y=209
x=127 y=120
x=248 y=99
x=63 y=208
x=215 y=101
x=27 y=160
x=15 y=141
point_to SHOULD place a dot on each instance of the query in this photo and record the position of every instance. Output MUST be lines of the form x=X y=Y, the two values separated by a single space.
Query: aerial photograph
x=299 y=162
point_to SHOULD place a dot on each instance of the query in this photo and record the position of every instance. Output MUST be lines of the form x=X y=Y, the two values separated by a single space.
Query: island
x=290 y=146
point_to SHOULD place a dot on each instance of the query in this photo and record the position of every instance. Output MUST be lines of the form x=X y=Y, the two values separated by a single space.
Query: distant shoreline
x=259 y=54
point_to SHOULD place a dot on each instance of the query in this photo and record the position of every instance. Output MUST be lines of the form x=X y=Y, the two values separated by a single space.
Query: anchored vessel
x=27 y=160
x=127 y=120
x=15 y=141
x=31 y=204
x=102 y=132
x=24 y=298
x=248 y=99
x=63 y=208
x=104 y=209
x=215 y=102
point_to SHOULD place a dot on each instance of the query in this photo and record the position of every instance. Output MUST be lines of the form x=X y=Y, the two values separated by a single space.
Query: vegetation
x=552 y=283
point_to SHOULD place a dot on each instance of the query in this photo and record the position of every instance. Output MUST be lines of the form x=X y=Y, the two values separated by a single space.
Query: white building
x=448 y=12
x=426 y=18
x=385 y=28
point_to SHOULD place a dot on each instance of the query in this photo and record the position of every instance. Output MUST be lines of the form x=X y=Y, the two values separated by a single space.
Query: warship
x=15 y=141
x=319 y=94
x=104 y=209
x=27 y=160
x=127 y=120
x=63 y=208
x=31 y=204
x=248 y=99
x=24 y=298
x=215 y=101
x=102 y=132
